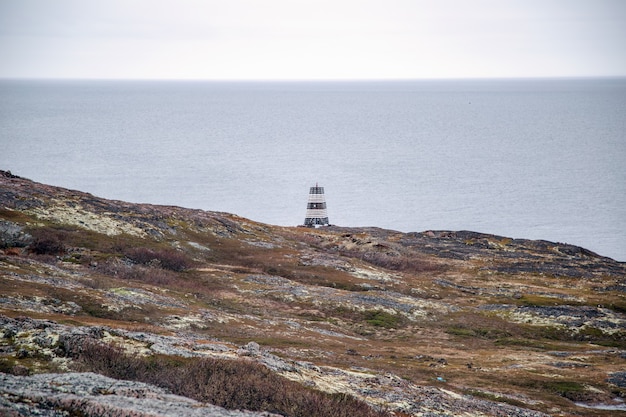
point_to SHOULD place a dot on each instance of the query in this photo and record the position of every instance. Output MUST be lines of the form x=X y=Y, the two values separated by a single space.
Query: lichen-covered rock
x=13 y=235
x=618 y=379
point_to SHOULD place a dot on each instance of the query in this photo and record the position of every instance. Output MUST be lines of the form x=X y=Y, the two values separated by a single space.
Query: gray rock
x=251 y=349
x=12 y=235
x=618 y=379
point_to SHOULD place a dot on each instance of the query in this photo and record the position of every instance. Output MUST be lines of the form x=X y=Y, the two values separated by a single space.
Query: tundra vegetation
x=303 y=322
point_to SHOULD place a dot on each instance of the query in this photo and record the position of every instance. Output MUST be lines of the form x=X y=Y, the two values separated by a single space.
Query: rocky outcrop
x=89 y=394
x=13 y=235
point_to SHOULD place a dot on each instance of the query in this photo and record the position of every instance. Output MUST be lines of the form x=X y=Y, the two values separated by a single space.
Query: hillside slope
x=434 y=323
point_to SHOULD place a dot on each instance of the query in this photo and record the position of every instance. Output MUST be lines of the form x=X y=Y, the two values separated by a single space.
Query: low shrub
x=232 y=384
x=96 y=282
x=47 y=241
x=94 y=308
x=165 y=258
x=105 y=359
x=148 y=274
x=402 y=263
x=6 y=366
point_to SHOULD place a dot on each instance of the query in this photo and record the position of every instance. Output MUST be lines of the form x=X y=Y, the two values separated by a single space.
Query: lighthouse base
x=316 y=221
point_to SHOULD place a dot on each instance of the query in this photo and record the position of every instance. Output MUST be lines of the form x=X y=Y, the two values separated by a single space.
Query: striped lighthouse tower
x=316 y=214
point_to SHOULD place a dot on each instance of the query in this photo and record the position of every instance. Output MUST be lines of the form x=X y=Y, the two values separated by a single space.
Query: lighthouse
x=316 y=214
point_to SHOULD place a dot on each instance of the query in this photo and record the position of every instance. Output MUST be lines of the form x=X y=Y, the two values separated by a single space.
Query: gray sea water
x=539 y=159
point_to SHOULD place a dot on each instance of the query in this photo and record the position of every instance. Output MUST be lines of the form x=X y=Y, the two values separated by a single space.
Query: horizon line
x=321 y=80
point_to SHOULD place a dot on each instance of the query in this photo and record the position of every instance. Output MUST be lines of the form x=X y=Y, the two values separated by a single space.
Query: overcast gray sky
x=311 y=39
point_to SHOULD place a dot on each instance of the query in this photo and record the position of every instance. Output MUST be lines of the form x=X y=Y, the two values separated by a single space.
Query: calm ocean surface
x=539 y=159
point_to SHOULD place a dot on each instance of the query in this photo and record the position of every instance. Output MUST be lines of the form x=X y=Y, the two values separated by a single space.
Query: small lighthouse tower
x=316 y=214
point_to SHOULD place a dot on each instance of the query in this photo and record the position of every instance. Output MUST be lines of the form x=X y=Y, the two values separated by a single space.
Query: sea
x=522 y=158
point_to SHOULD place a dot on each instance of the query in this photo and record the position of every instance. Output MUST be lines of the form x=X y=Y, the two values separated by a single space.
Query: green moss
x=383 y=319
x=539 y=301
x=460 y=331
x=122 y=291
x=98 y=311
x=527 y=343
x=567 y=389
x=572 y=390
x=481 y=332
x=494 y=397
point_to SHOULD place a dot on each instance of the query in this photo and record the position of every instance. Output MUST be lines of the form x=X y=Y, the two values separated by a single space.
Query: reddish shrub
x=12 y=252
x=165 y=258
x=47 y=241
x=148 y=274
x=232 y=384
x=403 y=263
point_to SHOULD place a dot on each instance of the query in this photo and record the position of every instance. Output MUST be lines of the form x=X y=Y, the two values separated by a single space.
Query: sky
x=311 y=39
